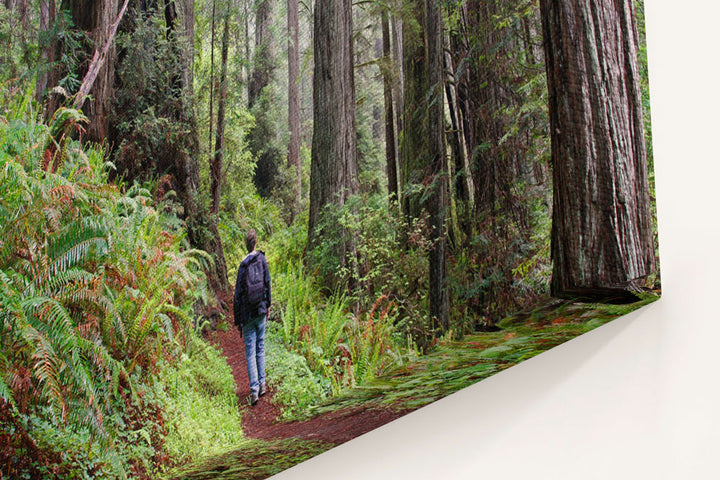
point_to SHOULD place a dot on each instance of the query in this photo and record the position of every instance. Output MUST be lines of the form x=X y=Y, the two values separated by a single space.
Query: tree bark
x=96 y=18
x=294 y=100
x=601 y=231
x=211 y=98
x=47 y=56
x=261 y=139
x=414 y=173
x=264 y=62
x=188 y=39
x=463 y=185
x=334 y=169
x=216 y=164
x=397 y=54
x=98 y=61
x=438 y=294
x=390 y=142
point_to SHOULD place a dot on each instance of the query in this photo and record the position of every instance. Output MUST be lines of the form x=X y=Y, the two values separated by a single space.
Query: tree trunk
x=399 y=81
x=99 y=59
x=601 y=231
x=261 y=139
x=188 y=39
x=96 y=18
x=211 y=98
x=47 y=55
x=463 y=186
x=414 y=173
x=6 y=60
x=247 y=62
x=334 y=168
x=263 y=63
x=294 y=101
x=216 y=164
x=202 y=227
x=438 y=294
x=390 y=142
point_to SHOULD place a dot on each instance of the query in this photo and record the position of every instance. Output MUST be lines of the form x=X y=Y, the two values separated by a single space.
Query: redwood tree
x=423 y=153
x=95 y=18
x=334 y=167
x=438 y=294
x=602 y=240
x=261 y=138
x=413 y=143
x=294 y=100
x=390 y=142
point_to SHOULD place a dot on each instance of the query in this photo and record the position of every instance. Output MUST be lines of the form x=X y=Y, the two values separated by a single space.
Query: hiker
x=251 y=306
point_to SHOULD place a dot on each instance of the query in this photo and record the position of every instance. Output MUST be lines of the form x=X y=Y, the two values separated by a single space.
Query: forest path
x=261 y=421
x=273 y=446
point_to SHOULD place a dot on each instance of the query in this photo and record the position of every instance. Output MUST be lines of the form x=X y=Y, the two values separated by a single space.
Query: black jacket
x=241 y=309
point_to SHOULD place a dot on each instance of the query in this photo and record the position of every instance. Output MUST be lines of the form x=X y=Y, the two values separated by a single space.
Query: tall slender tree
x=602 y=243
x=413 y=145
x=390 y=127
x=219 y=153
x=47 y=43
x=438 y=294
x=334 y=167
x=261 y=139
x=294 y=99
x=423 y=156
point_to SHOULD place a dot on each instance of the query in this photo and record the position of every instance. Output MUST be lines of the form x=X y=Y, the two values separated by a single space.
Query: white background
x=638 y=398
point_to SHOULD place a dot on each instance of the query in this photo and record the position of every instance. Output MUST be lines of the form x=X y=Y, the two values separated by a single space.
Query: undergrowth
x=198 y=393
x=97 y=330
x=454 y=365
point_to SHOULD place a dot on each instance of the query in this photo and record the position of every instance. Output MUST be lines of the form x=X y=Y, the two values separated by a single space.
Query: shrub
x=297 y=387
x=96 y=298
x=198 y=393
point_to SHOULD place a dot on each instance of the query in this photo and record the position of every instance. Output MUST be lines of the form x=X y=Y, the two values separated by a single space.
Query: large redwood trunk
x=413 y=145
x=47 y=54
x=334 y=169
x=438 y=294
x=95 y=18
x=263 y=67
x=601 y=235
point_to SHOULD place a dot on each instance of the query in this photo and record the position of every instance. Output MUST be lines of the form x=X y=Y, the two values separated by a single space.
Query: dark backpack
x=254 y=282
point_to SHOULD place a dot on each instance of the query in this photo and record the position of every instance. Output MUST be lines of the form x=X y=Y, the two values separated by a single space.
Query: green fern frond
x=46 y=369
x=59 y=283
x=183 y=318
x=167 y=323
x=63 y=118
x=6 y=393
x=112 y=326
x=83 y=232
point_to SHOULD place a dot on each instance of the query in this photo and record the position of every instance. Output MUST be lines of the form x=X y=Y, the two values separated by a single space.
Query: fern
x=92 y=283
x=5 y=391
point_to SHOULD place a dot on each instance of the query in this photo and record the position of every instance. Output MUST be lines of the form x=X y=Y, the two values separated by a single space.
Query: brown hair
x=251 y=240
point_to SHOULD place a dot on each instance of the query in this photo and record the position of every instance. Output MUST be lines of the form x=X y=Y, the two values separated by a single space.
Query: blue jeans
x=254 y=333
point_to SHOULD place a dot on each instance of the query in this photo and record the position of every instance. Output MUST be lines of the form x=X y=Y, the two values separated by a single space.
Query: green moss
x=256 y=459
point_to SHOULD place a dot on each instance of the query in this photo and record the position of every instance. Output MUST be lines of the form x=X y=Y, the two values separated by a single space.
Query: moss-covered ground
x=450 y=367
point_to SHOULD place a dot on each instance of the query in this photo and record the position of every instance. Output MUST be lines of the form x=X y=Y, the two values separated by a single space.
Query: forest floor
x=273 y=445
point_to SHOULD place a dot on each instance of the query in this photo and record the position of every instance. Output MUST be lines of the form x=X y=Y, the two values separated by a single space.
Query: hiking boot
x=263 y=389
x=253 y=399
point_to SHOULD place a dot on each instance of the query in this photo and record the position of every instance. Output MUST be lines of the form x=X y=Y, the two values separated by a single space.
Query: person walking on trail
x=251 y=305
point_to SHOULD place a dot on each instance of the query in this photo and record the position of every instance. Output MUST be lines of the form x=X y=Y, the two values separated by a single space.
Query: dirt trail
x=261 y=422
